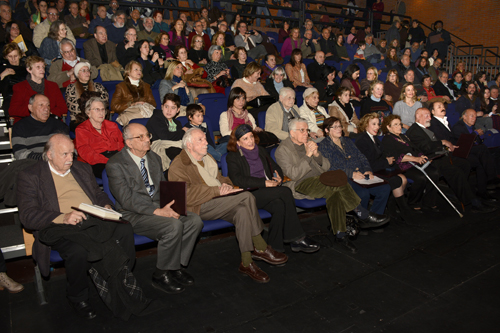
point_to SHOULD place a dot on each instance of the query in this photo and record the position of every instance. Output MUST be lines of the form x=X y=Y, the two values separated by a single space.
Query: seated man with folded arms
x=301 y=161
x=47 y=193
x=211 y=195
x=134 y=175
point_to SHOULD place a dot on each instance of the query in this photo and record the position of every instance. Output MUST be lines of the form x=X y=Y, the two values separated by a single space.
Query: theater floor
x=441 y=277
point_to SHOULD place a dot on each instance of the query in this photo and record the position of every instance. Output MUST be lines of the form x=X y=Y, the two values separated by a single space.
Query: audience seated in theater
x=301 y=161
x=173 y=84
x=343 y=110
x=116 y=31
x=167 y=130
x=371 y=76
x=297 y=71
x=409 y=77
x=35 y=83
x=417 y=33
x=97 y=139
x=236 y=114
x=375 y=102
x=46 y=193
x=439 y=39
x=279 y=114
x=159 y=26
x=177 y=35
x=62 y=70
x=198 y=31
x=135 y=21
x=6 y=17
x=41 y=31
x=74 y=91
x=228 y=36
x=456 y=83
x=133 y=95
x=335 y=148
x=311 y=43
x=100 y=20
x=239 y=64
x=442 y=87
x=395 y=44
x=454 y=170
x=219 y=40
x=294 y=42
x=250 y=166
x=216 y=68
x=327 y=85
x=421 y=69
x=250 y=42
x=268 y=66
x=469 y=100
x=75 y=22
x=313 y=113
x=188 y=28
x=12 y=71
x=112 y=8
x=128 y=50
x=314 y=68
x=350 y=81
x=392 y=86
x=327 y=44
x=204 y=183
x=341 y=49
x=397 y=145
x=276 y=81
x=489 y=104
x=100 y=50
x=435 y=71
x=193 y=72
x=308 y=25
x=460 y=68
x=404 y=65
x=148 y=32
x=393 y=32
x=480 y=80
x=391 y=60
x=162 y=47
x=415 y=52
x=197 y=53
x=49 y=49
x=151 y=63
x=429 y=91
x=134 y=175
x=12 y=31
x=495 y=82
x=284 y=32
x=372 y=54
x=406 y=106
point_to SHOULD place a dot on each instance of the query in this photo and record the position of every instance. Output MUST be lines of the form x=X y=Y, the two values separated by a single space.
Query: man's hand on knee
x=167 y=211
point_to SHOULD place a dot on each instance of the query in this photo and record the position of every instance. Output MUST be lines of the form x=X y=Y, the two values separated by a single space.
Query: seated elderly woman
x=250 y=166
x=406 y=107
x=49 y=48
x=368 y=144
x=375 y=103
x=327 y=85
x=313 y=113
x=343 y=155
x=219 y=39
x=280 y=113
x=397 y=145
x=343 y=110
x=236 y=113
x=133 y=97
x=297 y=71
x=276 y=81
x=173 y=84
x=194 y=75
x=12 y=71
x=217 y=70
x=162 y=47
x=97 y=139
x=75 y=90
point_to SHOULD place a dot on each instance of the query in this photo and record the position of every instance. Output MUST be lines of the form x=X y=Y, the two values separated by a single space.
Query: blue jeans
x=218 y=151
x=263 y=11
x=171 y=3
x=381 y=194
x=374 y=58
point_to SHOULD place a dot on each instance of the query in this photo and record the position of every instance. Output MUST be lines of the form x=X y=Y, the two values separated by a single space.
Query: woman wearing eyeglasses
x=97 y=139
x=344 y=155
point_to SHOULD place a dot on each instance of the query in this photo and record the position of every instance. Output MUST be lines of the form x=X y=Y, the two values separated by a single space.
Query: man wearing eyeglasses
x=42 y=30
x=198 y=31
x=62 y=70
x=280 y=113
x=6 y=17
x=134 y=176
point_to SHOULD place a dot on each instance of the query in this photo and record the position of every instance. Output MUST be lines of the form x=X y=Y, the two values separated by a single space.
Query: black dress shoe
x=373 y=220
x=83 y=309
x=346 y=242
x=306 y=245
x=167 y=283
x=182 y=277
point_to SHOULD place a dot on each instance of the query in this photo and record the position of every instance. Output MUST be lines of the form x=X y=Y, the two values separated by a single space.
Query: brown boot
x=11 y=285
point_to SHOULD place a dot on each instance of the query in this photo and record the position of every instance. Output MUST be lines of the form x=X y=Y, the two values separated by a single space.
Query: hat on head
x=79 y=66
x=308 y=92
x=242 y=130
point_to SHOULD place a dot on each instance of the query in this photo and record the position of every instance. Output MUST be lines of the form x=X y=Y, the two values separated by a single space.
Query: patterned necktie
x=144 y=173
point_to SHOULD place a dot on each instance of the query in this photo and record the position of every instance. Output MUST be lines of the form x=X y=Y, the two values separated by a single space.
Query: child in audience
x=194 y=113
x=360 y=53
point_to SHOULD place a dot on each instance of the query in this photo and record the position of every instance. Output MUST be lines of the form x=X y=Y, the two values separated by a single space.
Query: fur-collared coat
x=127 y=94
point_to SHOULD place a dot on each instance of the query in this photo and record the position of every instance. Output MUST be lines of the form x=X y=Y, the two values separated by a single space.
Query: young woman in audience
x=468 y=78
x=397 y=145
x=12 y=71
x=369 y=145
x=206 y=28
x=12 y=31
x=341 y=48
x=406 y=107
x=292 y=43
x=371 y=76
x=152 y=64
x=392 y=86
x=487 y=106
x=313 y=113
x=75 y=90
x=234 y=24
x=350 y=80
x=297 y=72
x=97 y=139
x=375 y=102
x=343 y=155
x=49 y=49
x=480 y=80
x=177 y=35
x=327 y=85
x=236 y=113
x=238 y=67
x=83 y=10
x=276 y=81
x=40 y=15
x=219 y=40
x=433 y=57
x=173 y=84
x=460 y=68
x=395 y=44
x=421 y=69
x=197 y=53
x=216 y=68
x=343 y=110
x=284 y=32
x=250 y=166
x=456 y=84
x=162 y=47
x=382 y=46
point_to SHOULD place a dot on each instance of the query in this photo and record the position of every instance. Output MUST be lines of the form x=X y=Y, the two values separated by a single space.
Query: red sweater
x=90 y=144
x=21 y=96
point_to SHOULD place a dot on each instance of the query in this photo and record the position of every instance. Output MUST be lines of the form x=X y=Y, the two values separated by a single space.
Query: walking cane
x=421 y=168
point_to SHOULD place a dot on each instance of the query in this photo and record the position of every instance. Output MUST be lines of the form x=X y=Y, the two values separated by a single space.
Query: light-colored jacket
x=348 y=125
x=274 y=120
x=309 y=115
x=224 y=123
x=42 y=30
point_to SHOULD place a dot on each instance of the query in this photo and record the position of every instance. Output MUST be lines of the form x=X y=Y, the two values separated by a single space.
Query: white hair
x=188 y=137
x=292 y=124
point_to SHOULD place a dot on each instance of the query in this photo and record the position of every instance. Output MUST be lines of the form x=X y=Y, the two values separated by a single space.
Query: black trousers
x=456 y=173
x=482 y=161
x=420 y=183
x=285 y=224
x=3 y=268
x=77 y=266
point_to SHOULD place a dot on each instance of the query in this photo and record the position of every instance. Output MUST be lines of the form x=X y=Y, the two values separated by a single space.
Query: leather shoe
x=346 y=242
x=83 y=309
x=254 y=272
x=306 y=245
x=270 y=256
x=373 y=220
x=182 y=277
x=167 y=283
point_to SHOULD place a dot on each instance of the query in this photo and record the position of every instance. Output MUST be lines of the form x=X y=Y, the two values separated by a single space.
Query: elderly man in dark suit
x=441 y=87
x=46 y=193
x=134 y=175
x=454 y=170
x=100 y=50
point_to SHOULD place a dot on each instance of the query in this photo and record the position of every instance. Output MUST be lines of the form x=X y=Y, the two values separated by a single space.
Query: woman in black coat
x=327 y=85
x=276 y=81
x=250 y=166
x=12 y=71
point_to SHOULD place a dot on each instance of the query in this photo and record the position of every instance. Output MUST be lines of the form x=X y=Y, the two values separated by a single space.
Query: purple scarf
x=253 y=159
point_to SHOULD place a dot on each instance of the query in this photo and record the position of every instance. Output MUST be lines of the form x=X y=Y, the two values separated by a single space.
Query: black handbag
x=224 y=81
x=268 y=139
x=261 y=101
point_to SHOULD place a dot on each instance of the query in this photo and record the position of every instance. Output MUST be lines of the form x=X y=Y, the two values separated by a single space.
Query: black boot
x=407 y=214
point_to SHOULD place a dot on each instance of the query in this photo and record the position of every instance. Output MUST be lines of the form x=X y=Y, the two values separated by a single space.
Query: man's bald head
x=423 y=117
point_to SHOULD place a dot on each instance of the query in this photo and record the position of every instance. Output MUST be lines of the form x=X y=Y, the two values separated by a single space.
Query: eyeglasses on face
x=335 y=127
x=142 y=137
x=303 y=130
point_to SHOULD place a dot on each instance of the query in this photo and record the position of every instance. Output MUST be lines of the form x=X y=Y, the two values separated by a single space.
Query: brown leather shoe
x=254 y=272
x=11 y=285
x=270 y=256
